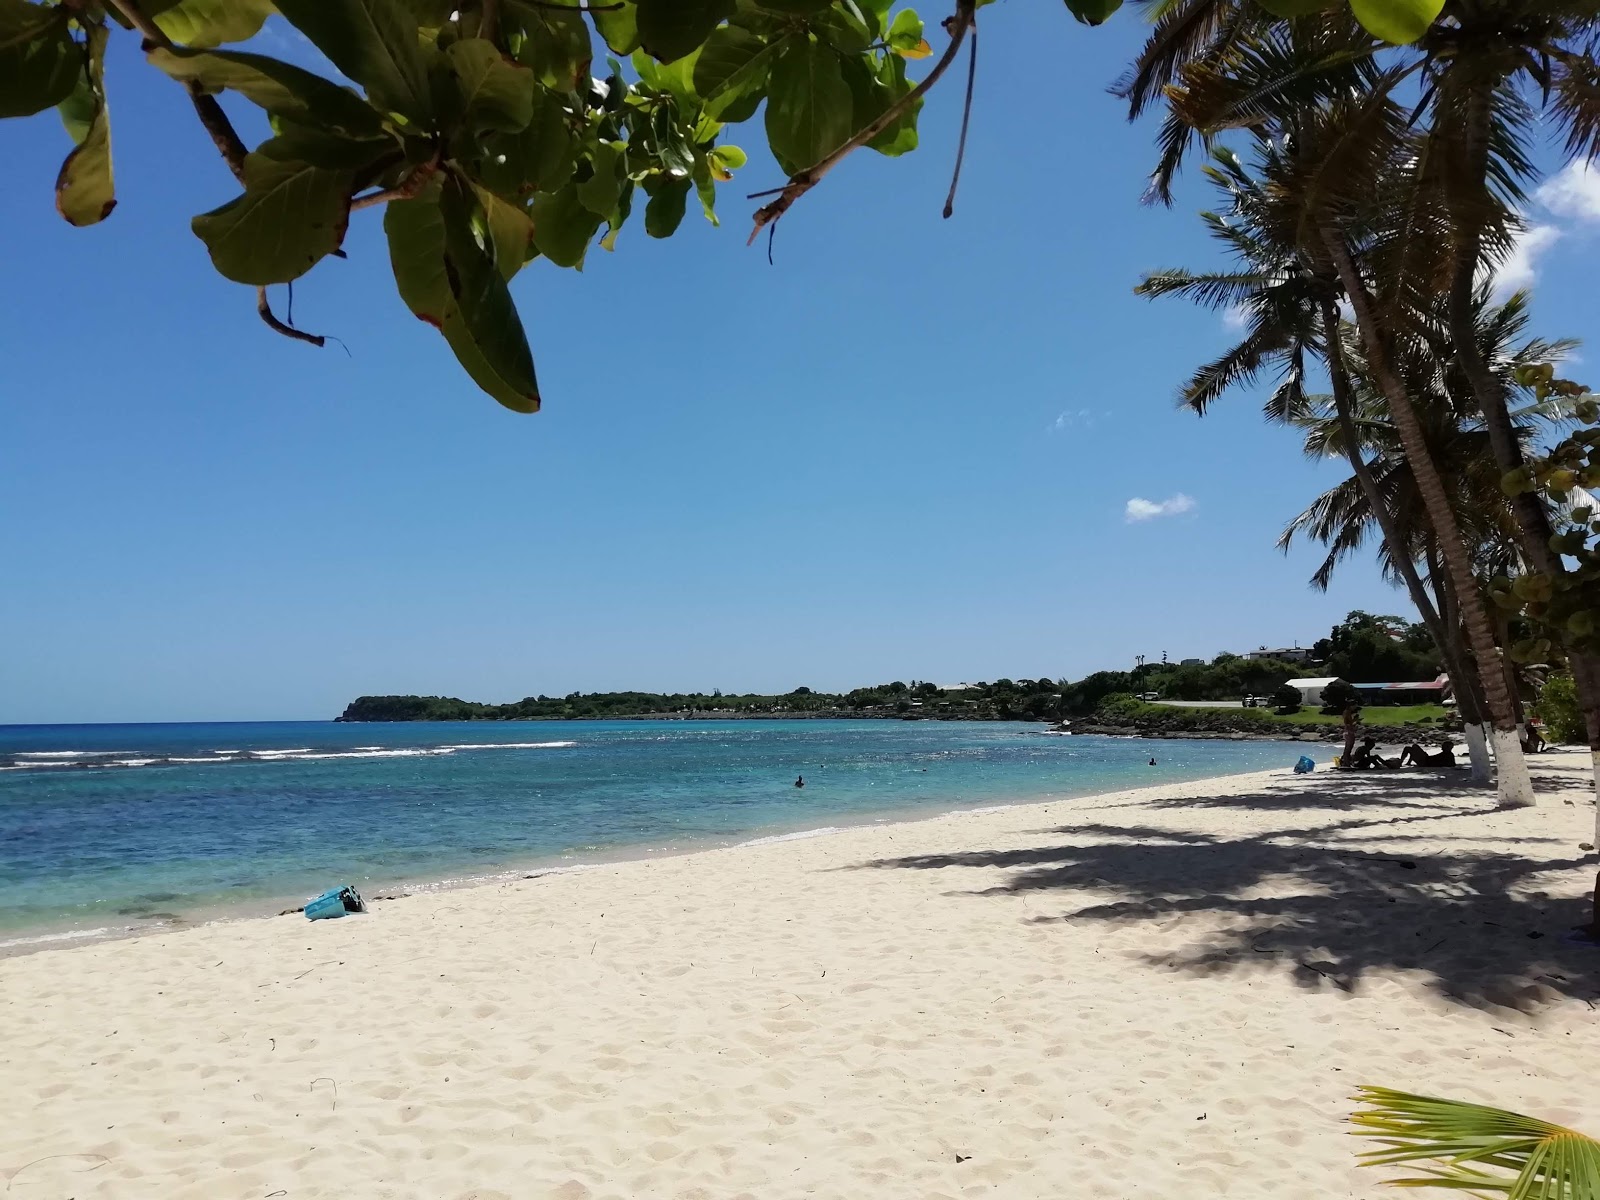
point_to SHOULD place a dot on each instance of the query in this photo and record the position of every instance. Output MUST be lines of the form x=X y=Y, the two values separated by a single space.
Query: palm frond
x=1477 y=1148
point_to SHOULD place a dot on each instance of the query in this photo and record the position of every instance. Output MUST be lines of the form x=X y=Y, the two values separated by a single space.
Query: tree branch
x=966 y=117
x=577 y=8
x=223 y=135
x=803 y=181
x=288 y=331
x=406 y=189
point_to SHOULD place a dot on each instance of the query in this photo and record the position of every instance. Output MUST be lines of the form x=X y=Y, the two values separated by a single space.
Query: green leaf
x=732 y=66
x=510 y=231
x=669 y=29
x=619 y=28
x=539 y=158
x=323 y=147
x=905 y=34
x=671 y=142
x=843 y=28
x=40 y=64
x=481 y=323
x=668 y=202
x=798 y=7
x=445 y=278
x=415 y=229
x=1096 y=12
x=85 y=194
x=375 y=43
x=282 y=89
x=563 y=227
x=808 y=105
x=900 y=135
x=203 y=24
x=498 y=94
x=1397 y=21
x=599 y=193
x=615 y=222
x=291 y=215
x=555 y=45
x=729 y=158
x=705 y=186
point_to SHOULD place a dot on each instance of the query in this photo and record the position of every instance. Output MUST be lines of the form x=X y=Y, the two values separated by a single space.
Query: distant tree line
x=1363 y=648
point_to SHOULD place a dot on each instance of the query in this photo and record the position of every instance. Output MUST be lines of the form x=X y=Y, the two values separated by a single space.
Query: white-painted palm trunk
x=1477 y=752
x=1594 y=762
x=1513 y=783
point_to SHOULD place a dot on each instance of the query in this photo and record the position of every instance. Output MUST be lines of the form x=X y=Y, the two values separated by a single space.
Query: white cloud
x=1235 y=317
x=1070 y=418
x=1140 y=509
x=1521 y=267
x=1574 y=193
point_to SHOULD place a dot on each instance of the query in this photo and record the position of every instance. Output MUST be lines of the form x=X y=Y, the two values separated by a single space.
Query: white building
x=1311 y=689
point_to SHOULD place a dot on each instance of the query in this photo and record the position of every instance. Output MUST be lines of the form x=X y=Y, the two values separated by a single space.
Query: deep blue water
x=138 y=824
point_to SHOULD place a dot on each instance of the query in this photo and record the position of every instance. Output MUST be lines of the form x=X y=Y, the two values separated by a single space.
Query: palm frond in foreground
x=1477 y=1149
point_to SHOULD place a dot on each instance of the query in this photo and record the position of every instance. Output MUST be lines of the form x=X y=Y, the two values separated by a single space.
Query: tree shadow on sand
x=1325 y=903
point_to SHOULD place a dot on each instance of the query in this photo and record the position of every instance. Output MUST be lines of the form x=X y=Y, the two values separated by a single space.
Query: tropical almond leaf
x=510 y=231
x=85 y=193
x=1097 y=12
x=204 y=24
x=563 y=227
x=415 y=230
x=497 y=93
x=732 y=65
x=291 y=215
x=375 y=43
x=669 y=199
x=1397 y=21
x=619 y=27
x=482 y=324
x=670 y=29
x=555 y=45
x=809 y=105
x=40 y=64
x=282 y=89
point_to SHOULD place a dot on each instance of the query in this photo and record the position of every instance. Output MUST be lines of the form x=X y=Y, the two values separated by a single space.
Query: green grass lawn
x=1373 y=714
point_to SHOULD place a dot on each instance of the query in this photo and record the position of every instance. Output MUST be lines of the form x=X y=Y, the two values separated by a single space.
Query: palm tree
x=1315 y=87
x=1290 y=305
x=1482 y=72
x=1342 y=516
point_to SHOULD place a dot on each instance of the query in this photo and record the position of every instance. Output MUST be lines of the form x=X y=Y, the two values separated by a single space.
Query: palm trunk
x=1515 y=787
x=1469 y=693
x=1528 y=511
x=1389 y=524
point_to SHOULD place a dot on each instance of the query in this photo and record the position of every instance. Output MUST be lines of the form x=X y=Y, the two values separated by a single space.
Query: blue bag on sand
x=1304 y=767
x=335 y=902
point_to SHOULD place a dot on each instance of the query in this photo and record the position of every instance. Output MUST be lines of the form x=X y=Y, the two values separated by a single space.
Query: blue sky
x=907 y=450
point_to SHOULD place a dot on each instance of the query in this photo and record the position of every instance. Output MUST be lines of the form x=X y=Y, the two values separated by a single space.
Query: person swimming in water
x=1152 y=762
x=799 y=781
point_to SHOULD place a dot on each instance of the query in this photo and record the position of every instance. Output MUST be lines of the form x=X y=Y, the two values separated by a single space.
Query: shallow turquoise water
x=111 y=826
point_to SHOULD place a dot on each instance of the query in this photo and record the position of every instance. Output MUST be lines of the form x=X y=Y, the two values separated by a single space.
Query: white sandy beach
x=1168 y=993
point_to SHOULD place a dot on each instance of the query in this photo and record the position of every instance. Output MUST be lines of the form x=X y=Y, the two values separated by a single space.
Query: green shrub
x=1286 y=699
x=1336 y=695
x=1558 y=706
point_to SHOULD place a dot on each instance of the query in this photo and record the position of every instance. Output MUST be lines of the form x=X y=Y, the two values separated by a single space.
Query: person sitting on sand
x=1415 y=756
x=1534 y=742
x=1366 y=759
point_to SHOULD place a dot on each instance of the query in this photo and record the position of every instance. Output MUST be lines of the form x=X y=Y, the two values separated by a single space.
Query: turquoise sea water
x=111 y=827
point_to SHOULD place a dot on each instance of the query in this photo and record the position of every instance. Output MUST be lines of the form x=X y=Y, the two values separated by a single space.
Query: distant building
x=1288 y=654
x=1311 y=689
x=1433 y=691
x=1193 y=662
